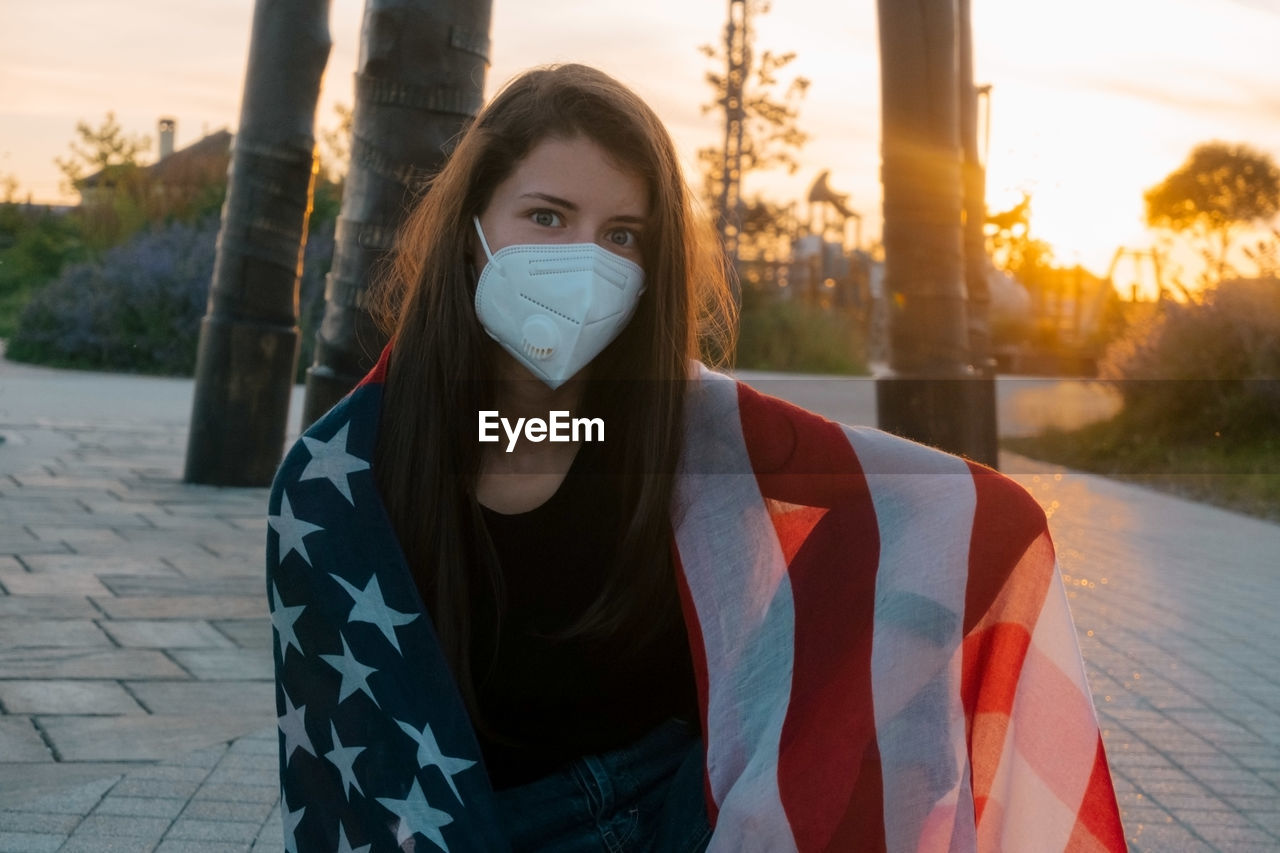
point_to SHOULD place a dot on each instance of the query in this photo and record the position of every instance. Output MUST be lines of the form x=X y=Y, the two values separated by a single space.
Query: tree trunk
x=248 y=349
x=924 y=395
x=419 y=79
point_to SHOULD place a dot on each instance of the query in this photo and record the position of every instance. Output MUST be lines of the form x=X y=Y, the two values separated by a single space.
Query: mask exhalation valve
x=540 y=338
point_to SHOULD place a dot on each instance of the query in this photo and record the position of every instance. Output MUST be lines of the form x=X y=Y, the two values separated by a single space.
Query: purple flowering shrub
x=138 y=308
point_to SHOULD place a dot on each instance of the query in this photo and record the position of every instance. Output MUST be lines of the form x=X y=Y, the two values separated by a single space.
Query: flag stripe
x=378 y=375
x=1096 y=826
x=1006 y=520
x=919 y=600
x=829 y=768
x=1053 y=691
x=697 y=652
x=738 y=584
x=1009 y=539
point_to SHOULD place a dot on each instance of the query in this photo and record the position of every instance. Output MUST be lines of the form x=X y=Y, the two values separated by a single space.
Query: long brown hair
x=428 y=456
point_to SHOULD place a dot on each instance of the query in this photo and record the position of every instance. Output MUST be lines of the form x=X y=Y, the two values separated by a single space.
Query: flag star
x=331 y=461
x=355 y=675
x=370 y=607
x=344 y=758
x=291 y=530
x=294 y=727
x=291 y=821
x=417 y=817
x=344 y=846
x=282 y=619
x=429 y=755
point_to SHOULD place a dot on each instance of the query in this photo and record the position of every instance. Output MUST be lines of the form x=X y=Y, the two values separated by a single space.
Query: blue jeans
x=646 y=798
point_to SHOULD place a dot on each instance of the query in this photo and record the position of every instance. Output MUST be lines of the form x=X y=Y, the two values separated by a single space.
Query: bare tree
x=761 y=131
x=420 y=78
x=248 y=351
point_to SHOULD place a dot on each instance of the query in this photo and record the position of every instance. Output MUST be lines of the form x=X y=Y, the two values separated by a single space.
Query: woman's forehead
x=580 y=171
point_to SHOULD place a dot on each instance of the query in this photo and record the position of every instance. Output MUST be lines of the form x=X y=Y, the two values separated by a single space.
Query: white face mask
x=555 y=307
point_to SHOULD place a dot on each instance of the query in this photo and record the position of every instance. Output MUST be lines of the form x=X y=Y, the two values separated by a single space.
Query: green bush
x=138 y=308
x=1205 y=370
x=794 y=336
x=35 y=244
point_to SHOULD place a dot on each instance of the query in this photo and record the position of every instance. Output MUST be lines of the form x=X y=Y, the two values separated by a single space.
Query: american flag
x=884 y=654
x=376 y=750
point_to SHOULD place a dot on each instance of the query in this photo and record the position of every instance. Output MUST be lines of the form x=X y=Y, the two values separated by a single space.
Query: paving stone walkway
x=136 y=704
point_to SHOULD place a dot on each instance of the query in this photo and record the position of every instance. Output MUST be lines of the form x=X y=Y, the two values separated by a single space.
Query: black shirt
x=548 y=701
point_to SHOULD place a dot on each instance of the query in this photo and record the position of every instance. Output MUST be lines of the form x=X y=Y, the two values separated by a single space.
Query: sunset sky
x=1092 y=101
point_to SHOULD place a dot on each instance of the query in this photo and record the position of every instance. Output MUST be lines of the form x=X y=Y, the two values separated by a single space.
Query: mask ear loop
x=484 y=244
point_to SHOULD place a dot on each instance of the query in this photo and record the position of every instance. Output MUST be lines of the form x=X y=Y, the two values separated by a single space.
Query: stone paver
x=186 y=697
x=135 y=650
x=165 y=634
x=36 y=696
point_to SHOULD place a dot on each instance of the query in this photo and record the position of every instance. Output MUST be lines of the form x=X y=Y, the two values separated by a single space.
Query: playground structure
x=821 y=260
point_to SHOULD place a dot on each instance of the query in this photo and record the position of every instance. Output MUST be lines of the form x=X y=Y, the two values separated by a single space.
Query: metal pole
x=419 y=79
x=248 y=348
x=738 y=61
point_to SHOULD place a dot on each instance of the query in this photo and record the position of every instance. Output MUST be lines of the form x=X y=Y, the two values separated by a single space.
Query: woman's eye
x=623 y=237
x=546 y=218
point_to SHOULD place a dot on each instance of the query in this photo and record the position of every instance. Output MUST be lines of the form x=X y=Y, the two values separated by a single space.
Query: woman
x=712 y=610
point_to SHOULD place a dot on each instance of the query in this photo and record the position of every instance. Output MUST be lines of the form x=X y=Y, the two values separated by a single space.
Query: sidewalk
x=135 y=649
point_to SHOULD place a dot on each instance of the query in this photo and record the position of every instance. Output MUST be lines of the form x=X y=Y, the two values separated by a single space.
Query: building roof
x=210 y=153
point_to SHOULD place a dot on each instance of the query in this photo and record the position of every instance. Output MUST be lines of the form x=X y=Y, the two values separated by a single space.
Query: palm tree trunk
x=420 y=78
x=923 y=396
x=248 y=349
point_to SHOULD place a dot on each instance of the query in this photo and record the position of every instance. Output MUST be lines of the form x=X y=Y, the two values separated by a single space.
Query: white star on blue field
x=331 y=461
x=282 y=619
x=291 y=530
x=294 y=727
x=355 y=675
x=370 y=607
x=344 y=758
x=430 y=755
x=417 y=817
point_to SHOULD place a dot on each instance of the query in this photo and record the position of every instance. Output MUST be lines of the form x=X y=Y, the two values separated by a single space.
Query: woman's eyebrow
x=551 y=199
x=570 y=206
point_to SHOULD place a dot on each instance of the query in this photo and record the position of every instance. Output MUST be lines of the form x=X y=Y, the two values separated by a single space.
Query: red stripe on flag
x=378 y=375
x=1060 y=745
x=1098 y=824
x=1010 y=536
x=798 y=457
x=698 y=654
x=993 y=659
x=829 y=777
x=1007 y=520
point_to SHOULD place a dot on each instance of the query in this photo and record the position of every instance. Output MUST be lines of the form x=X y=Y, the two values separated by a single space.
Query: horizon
x=1089 y=106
